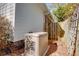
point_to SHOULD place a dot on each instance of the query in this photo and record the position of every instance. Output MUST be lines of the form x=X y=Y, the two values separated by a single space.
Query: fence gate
x=51 y=27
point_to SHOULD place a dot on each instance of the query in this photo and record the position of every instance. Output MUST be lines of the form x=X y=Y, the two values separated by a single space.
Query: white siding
x=29 y=17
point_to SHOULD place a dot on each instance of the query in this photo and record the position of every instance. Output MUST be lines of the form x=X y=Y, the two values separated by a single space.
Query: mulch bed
x=52 y=48
x=12 y=49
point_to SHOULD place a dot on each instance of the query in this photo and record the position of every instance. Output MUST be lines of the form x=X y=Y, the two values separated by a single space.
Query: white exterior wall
x=29 y=18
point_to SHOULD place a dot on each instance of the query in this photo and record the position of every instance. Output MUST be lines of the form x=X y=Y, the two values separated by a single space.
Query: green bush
x=63 y=12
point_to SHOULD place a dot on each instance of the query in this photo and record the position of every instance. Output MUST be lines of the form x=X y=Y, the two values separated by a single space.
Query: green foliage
x=63 y=12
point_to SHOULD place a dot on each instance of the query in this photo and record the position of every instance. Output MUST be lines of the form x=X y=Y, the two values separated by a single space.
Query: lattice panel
x=8 y=10
x=72 y=33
